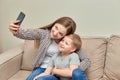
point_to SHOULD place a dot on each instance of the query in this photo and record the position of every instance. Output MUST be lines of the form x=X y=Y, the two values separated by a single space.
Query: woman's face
x=58 y=31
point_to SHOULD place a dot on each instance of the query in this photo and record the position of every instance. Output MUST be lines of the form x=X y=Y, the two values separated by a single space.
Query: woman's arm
x=29 y=34
x=85 y=61
x=32 y=34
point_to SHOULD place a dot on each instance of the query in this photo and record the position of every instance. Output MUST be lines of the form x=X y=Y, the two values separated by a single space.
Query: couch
x=0 y=45
x=104 y=53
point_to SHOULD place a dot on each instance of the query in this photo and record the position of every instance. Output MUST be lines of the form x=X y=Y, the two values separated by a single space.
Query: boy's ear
x=73 y=49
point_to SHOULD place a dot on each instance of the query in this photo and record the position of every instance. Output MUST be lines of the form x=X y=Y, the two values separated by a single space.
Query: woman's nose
x=56 y=32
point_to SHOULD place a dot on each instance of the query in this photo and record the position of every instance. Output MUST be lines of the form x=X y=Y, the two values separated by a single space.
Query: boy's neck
x=64 y=54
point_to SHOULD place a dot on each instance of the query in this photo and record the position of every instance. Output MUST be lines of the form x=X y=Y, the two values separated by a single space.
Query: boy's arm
x=65 y=72
x=47 y=72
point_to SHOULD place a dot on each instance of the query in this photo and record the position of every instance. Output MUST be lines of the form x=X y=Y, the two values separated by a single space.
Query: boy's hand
x=42 y=74
x=36 y=77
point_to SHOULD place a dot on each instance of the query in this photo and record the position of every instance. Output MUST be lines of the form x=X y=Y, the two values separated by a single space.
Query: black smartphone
x=20 y=17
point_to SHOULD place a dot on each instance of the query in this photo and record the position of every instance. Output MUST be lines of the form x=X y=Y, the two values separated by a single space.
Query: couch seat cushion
x=20 y=75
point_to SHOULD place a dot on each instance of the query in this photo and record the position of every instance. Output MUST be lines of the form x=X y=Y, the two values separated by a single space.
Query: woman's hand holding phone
x=15 y=25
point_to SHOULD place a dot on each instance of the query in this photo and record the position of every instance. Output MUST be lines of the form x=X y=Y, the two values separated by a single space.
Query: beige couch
x=0 y=45
x=104 y=52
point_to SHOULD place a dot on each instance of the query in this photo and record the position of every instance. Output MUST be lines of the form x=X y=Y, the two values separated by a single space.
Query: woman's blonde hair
x=65 y=21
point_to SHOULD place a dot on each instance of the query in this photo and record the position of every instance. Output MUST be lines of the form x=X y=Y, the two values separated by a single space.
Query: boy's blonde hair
x=76 y=40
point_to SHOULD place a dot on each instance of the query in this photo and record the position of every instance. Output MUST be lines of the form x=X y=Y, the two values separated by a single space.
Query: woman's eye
x=60 y=34
x=56 y=27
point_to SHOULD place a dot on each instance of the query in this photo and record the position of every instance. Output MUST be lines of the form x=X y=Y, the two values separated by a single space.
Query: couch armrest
x=10 y=62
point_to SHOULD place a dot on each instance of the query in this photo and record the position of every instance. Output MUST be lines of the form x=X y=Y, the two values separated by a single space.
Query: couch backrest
x=112 y=64
x=0 y=45
x=29 y=55
x=95 y=48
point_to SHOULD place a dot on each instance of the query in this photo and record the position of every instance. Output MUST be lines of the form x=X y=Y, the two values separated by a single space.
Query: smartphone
x=20 y=17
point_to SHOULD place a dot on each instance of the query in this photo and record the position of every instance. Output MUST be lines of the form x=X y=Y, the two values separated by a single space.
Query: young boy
x=63 y=63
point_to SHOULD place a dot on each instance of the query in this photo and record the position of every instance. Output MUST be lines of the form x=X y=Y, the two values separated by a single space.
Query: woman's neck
x=57 y=41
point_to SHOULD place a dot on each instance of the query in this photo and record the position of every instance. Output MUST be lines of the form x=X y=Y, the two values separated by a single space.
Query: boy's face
x=66 y=45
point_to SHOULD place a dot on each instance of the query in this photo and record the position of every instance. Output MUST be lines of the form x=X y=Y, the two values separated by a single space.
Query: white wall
x=93 y=17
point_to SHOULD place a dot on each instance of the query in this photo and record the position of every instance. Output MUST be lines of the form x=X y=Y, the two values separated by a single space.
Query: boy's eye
x=66 y=43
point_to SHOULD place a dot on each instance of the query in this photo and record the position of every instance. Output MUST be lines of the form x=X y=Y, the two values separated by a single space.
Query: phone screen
x=20 y=17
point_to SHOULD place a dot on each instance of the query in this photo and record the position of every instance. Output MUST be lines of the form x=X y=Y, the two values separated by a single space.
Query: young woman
x=49 y=36
x=65 y=61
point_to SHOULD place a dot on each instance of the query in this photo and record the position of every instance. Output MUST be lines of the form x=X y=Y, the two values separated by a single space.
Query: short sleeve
x=52 y=61
x=74 y=59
